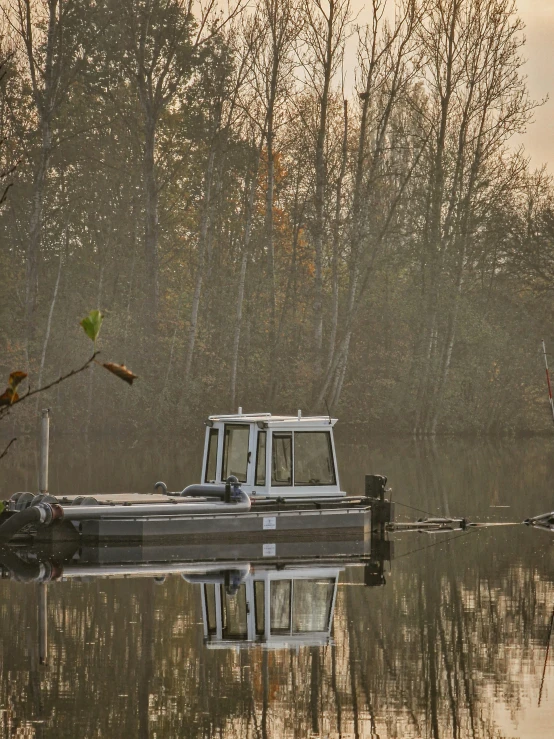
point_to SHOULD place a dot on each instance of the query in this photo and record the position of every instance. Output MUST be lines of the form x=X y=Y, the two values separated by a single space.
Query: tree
x=54 y=56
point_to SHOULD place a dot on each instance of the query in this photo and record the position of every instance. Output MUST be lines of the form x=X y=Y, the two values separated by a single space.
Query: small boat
x=264 y=477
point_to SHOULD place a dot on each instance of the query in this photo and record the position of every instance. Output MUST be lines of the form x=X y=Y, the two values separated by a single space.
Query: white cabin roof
x=276 y=421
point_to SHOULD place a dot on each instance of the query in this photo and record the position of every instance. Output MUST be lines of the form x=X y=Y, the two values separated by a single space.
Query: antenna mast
x=548 y=379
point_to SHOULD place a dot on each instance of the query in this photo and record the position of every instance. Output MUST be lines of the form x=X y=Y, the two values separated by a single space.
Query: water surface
x=453 y=645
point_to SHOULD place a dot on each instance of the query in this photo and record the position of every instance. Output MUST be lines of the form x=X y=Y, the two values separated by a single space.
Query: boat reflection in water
x=270 y=606
x=271 y=601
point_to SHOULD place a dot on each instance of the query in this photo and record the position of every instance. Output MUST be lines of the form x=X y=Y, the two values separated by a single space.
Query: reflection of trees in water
x=427 y=655
x=461 y=476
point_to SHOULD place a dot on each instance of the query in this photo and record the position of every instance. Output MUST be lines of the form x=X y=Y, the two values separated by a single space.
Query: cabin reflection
x=270 y=607
x=277 y=604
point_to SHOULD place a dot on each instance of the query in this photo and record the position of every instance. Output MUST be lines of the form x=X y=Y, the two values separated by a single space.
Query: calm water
x=453 y=645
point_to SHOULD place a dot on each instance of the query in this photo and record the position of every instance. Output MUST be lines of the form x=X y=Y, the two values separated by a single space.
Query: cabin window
x=259 y=603
x=311 y=608
x=235 y=452
x=282 y=459
x=280 y=606
x=211 y=461
x=235 y=612
x=313 y=458
x=260 y=458
x=209 y=591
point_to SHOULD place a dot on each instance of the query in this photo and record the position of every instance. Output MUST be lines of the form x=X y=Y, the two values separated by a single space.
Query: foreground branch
x=6 y=449
x=4 y=412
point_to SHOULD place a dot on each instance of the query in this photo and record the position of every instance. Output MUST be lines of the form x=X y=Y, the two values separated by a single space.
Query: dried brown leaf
x=8 y=397
x=16 y=378
x=121 y=371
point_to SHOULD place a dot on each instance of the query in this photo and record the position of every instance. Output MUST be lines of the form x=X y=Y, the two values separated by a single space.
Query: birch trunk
x=336 y=244
x=242 y=276
x=202 y=245
x=151 y=221
x=92 y=368
x=321 y=180
x=426 y=368
x=49 y=323
x=449 y=345
x=269 y=228
x=35 y=230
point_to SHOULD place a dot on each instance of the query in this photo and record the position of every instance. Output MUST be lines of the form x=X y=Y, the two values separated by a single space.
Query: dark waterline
x=453 y=645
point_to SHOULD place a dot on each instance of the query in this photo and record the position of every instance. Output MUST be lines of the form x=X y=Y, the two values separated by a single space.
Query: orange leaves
x=121 y=371
x=10 y=396
x=15 y=378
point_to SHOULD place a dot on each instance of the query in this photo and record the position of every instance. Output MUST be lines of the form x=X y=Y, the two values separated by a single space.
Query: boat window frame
x=331 y=583
x=213 y=433
x=331 y=457
x=257 y=480
x=259 y=598
x=226 y=600
x=281 y=630
x=241 y=426
x=282 y=434
x=210 y=599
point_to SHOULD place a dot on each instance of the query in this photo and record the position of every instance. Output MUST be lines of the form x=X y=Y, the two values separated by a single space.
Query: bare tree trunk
x=279 y=23
x=238 y=325
x=172 y=349
x=325 y=35
x=426 y=372
x=336 y=243
x=92 y=368
x=151 y=222
x=356 y=228
x=242 y=275
x=49 y=322
x=320 y=186
x=202 y=245
x=340 y=374
x=131 y=279
x=35 y=230
x=269 y=235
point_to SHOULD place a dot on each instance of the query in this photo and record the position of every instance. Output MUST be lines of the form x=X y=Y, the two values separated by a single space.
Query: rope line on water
x=436 y=543
x=413 y=508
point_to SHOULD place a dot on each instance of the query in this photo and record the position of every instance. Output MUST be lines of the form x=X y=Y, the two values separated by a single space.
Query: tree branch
x=6 y=449
x=4 y=412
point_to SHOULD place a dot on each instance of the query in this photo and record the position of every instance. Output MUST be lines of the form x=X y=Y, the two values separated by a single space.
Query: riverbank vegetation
x=280 y=205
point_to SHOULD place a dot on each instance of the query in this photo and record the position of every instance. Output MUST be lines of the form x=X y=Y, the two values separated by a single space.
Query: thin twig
x=6 y=449
x=42 y=389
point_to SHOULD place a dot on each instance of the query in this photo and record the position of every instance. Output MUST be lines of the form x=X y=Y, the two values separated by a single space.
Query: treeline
x=280 y=205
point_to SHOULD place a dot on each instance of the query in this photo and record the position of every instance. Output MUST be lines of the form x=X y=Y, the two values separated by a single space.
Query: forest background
x=260 y=232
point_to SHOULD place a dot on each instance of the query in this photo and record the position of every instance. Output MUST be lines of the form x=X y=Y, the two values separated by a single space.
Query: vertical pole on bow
x=548 y=379
x=44 y=450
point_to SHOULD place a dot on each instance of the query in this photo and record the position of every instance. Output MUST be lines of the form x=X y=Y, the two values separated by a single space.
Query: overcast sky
x=538 y=16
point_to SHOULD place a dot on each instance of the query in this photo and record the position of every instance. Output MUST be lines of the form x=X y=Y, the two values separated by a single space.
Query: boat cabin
x=273 y=456
x=274 y=608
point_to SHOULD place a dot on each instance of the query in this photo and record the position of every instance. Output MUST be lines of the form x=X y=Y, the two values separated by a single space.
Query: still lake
x=454 y=644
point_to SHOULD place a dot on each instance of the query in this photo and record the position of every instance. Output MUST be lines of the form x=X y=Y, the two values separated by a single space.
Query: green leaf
x=91 y=324
x=2 y=506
